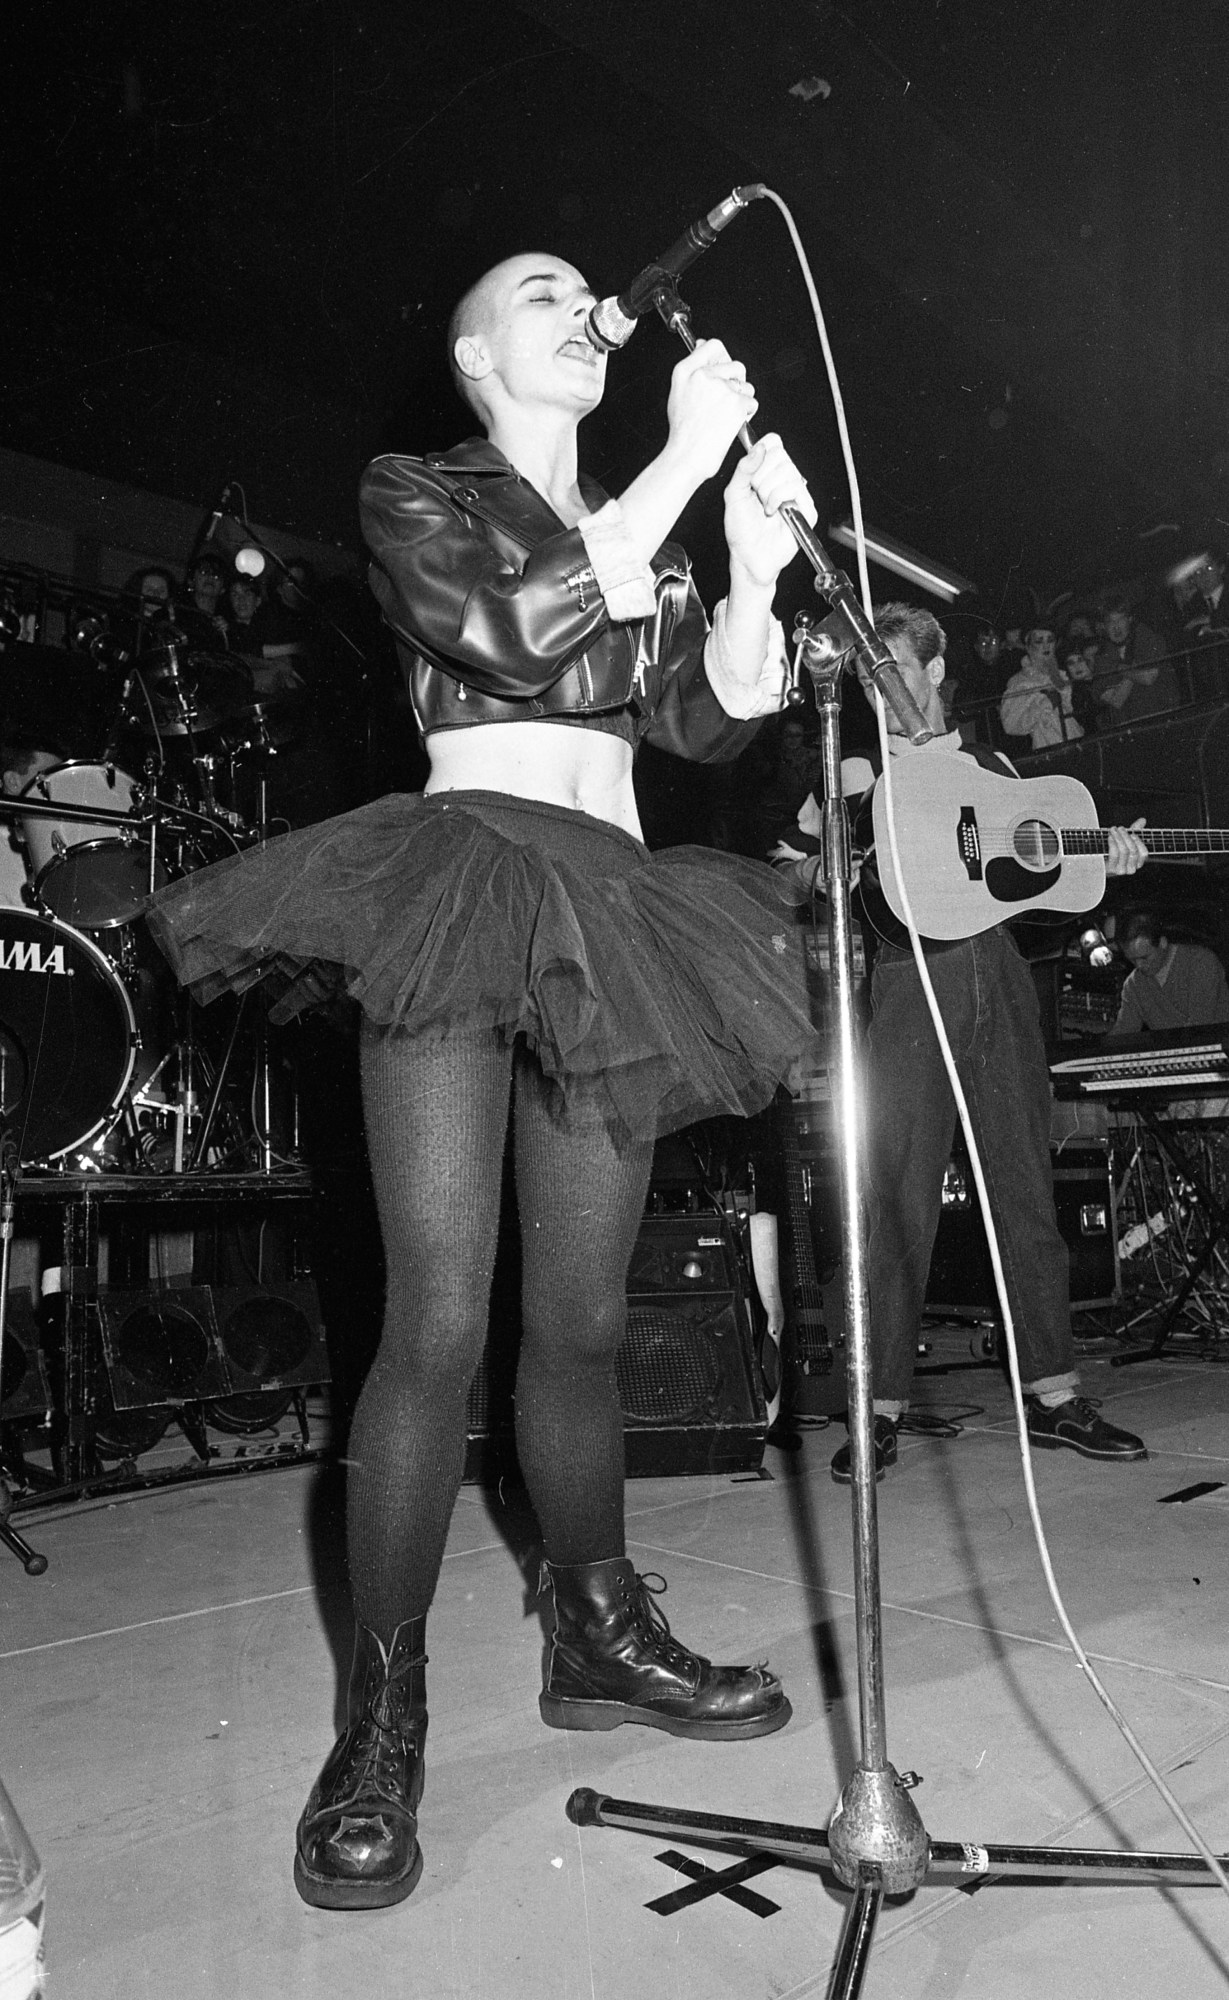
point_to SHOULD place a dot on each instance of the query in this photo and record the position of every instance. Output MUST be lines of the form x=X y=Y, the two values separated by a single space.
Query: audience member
x=203 y=618
x=1075 y=659
x=1037 y=702
x=247 y=616
x=1081 y=630
x=1201 y=600
x=153 y=591
x=1132 y=677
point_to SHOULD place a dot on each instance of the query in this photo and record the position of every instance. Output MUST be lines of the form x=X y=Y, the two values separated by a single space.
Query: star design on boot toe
x=373 y=1830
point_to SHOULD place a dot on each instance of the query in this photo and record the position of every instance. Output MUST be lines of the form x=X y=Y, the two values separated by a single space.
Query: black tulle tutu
x=670 y=984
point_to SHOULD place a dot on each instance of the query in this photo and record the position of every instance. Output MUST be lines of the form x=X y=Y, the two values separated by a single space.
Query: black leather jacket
x=498 y=616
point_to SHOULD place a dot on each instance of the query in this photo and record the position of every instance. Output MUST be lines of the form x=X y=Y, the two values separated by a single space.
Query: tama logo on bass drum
x=28 y=955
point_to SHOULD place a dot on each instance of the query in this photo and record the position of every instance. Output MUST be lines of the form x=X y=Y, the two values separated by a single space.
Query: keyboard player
x=1173 y=984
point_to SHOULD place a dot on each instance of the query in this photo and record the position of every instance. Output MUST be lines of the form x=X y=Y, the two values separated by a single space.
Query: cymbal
x=186 y=694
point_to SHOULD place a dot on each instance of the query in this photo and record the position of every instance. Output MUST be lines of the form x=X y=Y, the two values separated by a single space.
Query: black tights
x=437 y=1115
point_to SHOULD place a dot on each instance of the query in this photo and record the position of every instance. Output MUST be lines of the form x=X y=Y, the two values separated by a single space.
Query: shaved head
x=479 y=311
x=471 y=316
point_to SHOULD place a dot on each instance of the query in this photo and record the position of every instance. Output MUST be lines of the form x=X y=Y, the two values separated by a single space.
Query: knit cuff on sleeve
x=624 y=580
x=739 y=698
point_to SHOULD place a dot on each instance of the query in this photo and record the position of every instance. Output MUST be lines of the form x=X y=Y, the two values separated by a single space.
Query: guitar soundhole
x=1035 y=844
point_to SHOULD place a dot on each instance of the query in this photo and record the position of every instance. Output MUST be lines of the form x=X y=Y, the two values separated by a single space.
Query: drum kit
x=102 y=1060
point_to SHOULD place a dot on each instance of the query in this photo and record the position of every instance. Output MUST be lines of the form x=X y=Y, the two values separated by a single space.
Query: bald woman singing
x=519 y=955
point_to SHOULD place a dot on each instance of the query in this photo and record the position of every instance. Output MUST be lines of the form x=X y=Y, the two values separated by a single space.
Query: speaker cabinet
x=272 y=1336
x=25 y=1396
x=161 y=1347
x=688 y=1380
x=961 y=1278
x=203 y=1343
x=692 y=1398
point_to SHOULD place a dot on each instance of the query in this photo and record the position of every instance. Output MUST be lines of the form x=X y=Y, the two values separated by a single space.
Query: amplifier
x=688 y=1379
x=961 y=1278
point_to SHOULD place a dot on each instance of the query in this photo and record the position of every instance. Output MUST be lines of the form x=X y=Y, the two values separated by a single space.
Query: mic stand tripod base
x=876 y=1824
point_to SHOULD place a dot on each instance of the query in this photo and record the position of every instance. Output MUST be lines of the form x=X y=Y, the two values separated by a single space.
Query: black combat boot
x=358 y=1837
x=613 y=1660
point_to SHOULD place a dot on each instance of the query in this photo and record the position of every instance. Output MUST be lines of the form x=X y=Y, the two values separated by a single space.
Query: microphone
x=612 y=322
x=216 y=517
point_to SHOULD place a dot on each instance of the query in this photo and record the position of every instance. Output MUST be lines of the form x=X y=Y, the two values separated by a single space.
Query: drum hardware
x=90 y=631
x=114 y=1083
x=33 y=1563
x=187 y=694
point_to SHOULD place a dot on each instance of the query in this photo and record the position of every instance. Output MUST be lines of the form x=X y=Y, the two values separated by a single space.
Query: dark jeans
x=989 y=1005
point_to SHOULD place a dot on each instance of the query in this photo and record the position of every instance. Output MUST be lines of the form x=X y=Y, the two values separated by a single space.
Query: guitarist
x=989 y=1006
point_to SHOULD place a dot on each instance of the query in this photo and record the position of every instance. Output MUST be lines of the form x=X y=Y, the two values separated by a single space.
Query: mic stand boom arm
x=848 y=629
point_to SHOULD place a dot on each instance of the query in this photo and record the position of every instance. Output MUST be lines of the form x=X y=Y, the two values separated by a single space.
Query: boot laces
x=651 y=1622
x=378 y=1708
x=382 y=1746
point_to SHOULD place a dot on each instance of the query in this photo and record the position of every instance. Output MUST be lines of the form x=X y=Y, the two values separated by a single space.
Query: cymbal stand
x=188 y=713
x=265 y=750
x=875 y=1843
x=31 y=1561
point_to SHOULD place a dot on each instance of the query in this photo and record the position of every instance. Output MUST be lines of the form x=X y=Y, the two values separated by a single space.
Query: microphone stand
x=875 y=1843
x=31 y=1561
x=847 y=626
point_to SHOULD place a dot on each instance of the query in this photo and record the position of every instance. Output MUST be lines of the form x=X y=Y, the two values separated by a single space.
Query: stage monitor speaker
x=161 y=1347
x=25 y=1395
x=961 y=1278
x=688 y=1380
x=272 y=1336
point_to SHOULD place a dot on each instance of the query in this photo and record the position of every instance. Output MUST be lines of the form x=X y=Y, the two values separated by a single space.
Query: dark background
x=232 y=236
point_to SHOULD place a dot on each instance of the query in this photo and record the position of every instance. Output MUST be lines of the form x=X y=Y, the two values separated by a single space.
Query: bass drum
x=68 y=1039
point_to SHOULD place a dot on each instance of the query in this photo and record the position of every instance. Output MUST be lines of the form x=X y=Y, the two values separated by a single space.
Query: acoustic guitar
x=976 y=848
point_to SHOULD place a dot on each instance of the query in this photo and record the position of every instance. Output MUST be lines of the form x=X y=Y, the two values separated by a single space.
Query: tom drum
x=87 y=873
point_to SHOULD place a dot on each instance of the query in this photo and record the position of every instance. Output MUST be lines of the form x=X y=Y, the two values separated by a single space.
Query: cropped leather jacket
x=498 y=615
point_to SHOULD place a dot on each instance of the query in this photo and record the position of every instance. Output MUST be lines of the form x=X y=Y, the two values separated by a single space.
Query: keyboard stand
x=1217 y=1217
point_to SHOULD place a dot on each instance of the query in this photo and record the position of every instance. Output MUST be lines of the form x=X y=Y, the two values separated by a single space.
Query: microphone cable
x=1085 y=1664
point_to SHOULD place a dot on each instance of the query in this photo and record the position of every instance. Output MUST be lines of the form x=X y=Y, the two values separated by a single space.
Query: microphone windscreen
x=608 y=326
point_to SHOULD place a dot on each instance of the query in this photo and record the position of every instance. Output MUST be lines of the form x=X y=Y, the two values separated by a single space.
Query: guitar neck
x=1159 y=840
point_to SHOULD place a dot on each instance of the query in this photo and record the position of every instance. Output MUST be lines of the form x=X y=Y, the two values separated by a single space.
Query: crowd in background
x=1075 y=669
x=1067 y=671
x=292 y=676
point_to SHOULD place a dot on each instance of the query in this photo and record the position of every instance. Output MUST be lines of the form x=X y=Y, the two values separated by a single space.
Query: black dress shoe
x=1078 y=1425
x=885 y=1452
x=614 y=1659
x=357 y=1843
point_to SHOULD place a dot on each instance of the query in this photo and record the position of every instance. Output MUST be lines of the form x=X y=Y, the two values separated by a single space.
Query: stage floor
x=168 y=1688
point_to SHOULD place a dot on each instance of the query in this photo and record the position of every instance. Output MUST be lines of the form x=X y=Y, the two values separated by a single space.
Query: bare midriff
x=582 y=769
